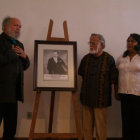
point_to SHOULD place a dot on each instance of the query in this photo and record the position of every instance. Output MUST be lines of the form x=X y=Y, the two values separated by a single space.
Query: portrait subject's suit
x=58 y=67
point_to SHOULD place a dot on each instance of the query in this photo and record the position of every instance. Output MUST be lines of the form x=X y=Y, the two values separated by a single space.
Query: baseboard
x=61 y=139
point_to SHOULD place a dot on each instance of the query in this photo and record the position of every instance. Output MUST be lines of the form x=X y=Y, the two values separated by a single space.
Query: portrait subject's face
x=55 y=54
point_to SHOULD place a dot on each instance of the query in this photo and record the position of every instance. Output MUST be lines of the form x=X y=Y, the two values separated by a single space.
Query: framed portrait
x=55 y=65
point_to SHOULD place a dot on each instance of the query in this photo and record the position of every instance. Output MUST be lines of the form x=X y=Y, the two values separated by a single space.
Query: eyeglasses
x=93 y=43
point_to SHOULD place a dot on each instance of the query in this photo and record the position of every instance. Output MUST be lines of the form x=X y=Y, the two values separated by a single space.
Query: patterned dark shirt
x=98 y=74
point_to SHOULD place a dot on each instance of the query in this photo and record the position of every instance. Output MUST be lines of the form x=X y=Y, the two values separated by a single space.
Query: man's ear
x=5 y=27
x=102 y=44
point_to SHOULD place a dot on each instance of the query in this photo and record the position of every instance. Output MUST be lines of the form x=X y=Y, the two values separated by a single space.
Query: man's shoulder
x=51 y=60
x=109 y=55
x=3 y=38
x=2 y=35
x=86 y=56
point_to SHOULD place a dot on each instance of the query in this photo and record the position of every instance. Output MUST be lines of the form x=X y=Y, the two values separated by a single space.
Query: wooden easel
x=78 y=134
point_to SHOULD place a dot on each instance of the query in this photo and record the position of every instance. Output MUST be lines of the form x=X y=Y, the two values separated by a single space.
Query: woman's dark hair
x=137 y=47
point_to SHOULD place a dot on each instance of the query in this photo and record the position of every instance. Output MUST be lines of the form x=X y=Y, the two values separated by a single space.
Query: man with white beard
x=13 y=62
x=98 y=72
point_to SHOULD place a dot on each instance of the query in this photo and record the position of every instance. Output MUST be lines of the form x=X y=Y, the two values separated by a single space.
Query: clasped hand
x=19 y=51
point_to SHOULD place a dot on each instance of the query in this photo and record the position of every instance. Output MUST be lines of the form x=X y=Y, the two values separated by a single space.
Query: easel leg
x=37 y=98
x=51 y=111
x=76 y=114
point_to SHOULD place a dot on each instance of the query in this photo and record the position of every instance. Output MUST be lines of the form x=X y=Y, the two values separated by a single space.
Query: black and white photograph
x=55 y=65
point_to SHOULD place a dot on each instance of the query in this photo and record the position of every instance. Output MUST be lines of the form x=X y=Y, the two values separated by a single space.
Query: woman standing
x=129 y=88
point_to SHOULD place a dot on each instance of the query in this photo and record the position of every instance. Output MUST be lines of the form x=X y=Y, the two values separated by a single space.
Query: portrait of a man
x=56 y=65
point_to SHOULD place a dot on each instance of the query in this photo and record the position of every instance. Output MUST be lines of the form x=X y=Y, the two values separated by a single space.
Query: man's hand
x=19 y=51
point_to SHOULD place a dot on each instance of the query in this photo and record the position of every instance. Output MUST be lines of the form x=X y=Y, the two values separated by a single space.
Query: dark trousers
x=8 y=113
x=130 y=109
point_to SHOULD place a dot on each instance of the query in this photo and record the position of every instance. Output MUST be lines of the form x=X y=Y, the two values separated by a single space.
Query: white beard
x=94 y=51
x=13 y=34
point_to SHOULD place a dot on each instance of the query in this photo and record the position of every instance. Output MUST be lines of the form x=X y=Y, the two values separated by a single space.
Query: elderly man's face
x=14 y=27
x=95 y=45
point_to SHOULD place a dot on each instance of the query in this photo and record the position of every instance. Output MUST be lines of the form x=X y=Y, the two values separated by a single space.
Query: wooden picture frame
x=55 y=65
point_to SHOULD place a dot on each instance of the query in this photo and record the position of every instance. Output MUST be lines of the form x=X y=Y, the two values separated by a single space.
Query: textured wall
x=115 y=19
